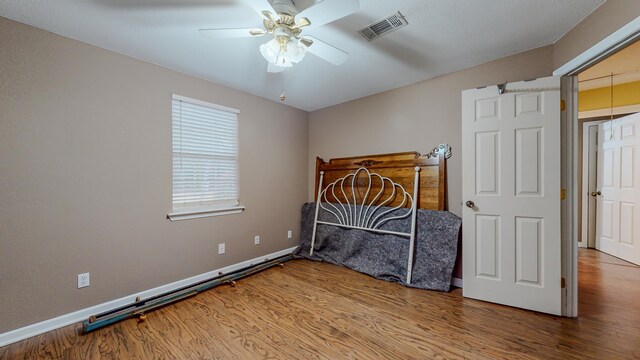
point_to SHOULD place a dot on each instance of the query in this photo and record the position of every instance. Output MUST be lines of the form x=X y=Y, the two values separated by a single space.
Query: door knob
x=598 y=193
x=470 y=204
x=593 y=193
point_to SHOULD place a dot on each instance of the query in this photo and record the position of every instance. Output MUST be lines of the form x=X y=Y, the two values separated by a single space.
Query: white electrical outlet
x=256 y=240
x=289 y=234
x=221 y=249
x=83 y=280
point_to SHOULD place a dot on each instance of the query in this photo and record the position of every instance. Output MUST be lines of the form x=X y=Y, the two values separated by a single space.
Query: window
x=205 y=159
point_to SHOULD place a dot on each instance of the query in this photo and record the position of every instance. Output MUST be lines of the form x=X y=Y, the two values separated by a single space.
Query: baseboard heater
x=140 y=307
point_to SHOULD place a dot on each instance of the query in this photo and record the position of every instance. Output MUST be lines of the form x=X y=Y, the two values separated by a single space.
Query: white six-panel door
x=511 y=189
x=618 y=216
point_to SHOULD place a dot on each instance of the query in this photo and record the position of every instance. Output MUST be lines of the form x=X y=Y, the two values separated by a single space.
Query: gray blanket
x=385 y=256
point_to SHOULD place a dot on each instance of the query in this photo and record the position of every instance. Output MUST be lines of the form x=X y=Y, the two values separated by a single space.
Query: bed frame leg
x=414 y=216
x=315 y=219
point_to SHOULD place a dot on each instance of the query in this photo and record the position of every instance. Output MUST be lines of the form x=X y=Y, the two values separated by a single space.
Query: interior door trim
x=621 y=38
x=613 y=43
x=584 y=229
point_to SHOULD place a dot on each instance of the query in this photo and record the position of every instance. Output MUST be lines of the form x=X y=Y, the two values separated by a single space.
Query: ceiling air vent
x=384 y=26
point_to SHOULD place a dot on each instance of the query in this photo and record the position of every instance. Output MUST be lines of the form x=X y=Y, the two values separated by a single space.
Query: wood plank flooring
x=310 y=310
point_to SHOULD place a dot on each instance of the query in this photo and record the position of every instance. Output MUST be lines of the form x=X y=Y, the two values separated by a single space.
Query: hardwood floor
x=310 y=310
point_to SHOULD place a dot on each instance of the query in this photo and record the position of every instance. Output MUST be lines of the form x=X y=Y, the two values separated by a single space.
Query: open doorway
x=609 y=156
x=571 y=155
x=607 y=183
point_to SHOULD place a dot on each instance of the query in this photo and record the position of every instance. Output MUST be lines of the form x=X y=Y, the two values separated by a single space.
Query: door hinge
x=563 y=194
x=563 y=283
x=562 y=105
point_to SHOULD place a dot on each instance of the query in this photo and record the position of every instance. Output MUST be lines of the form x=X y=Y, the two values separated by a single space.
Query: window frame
x=196 y=212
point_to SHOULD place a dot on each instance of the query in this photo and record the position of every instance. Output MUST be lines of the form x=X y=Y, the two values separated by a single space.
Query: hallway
x=609 y=293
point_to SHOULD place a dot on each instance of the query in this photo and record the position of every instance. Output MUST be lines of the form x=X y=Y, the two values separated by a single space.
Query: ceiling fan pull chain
x=283 y=95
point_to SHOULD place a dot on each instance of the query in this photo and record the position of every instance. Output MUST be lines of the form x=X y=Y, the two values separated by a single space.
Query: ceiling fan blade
x=329 y=10
x=269 y=25
x=302 y=22
x=327 y=52
x=230 y=33
x=271 y=16
x=273 y=68
x=257 y=32
x=306 y=42
x=259 y=6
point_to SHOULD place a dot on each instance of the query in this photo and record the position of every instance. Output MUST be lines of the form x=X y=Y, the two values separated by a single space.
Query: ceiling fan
x=289 y=45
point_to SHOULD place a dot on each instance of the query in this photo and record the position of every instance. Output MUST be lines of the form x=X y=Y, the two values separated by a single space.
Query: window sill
x=203 y=213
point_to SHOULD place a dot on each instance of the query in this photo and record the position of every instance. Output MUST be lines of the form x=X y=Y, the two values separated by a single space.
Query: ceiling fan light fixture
x=283 y=52
x=270 y=50
x=295 y=51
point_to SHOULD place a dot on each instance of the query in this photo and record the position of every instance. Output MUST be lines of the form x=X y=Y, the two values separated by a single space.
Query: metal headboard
x=361 y=212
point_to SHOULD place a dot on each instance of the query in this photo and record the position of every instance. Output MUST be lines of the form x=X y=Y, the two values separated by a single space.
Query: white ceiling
x=442 y=36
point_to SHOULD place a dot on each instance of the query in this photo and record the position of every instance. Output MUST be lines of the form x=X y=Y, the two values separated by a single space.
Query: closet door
x=511 y=189
x=618 y=191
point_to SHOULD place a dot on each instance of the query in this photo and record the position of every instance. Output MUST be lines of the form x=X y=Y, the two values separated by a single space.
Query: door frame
x=585 y=180
x=618 y=40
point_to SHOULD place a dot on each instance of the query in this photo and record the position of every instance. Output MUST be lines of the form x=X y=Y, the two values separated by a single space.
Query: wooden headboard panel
x=400 y=168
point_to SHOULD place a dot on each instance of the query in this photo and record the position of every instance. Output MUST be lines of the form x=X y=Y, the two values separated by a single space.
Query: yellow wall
x=623 y=95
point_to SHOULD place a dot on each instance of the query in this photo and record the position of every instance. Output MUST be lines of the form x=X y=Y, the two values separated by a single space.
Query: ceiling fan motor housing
x=282 y=31
x=284 y=6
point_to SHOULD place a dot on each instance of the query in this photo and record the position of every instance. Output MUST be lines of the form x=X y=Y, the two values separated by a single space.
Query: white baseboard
x=457 y=282
x=76 y=316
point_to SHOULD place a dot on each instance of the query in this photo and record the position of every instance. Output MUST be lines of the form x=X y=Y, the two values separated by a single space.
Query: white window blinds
x=205 y=155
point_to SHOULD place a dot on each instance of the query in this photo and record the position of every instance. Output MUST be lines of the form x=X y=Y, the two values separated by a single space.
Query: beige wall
x=604 y=21
x=85 y=177
x=416 y=117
